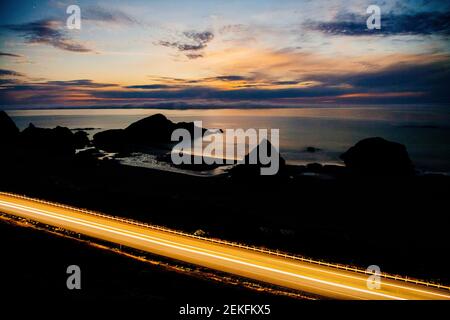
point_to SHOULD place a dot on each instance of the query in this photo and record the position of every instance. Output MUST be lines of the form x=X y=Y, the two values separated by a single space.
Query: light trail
x=295 y=274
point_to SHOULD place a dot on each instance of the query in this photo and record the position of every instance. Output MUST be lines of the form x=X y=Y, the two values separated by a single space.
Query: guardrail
x=229 y=243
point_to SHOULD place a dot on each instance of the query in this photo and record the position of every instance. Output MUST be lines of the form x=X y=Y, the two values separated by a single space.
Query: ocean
x=425 y=130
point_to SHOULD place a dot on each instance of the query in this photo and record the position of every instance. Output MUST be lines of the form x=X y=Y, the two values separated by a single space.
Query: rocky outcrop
x=153 y=131
x=111 y=140
x=252 y=163
x=81 y=139
x=60 y=141
x=312 y=149
x=378 y=157
x=8 y=129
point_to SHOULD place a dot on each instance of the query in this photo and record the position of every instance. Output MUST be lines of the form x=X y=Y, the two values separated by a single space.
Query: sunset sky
x=181 y=54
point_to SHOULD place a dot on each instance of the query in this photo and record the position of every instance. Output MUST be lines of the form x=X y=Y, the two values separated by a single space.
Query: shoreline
x=426 y=148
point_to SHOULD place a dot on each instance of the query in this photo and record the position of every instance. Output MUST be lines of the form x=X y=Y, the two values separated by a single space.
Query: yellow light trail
x=300 y=275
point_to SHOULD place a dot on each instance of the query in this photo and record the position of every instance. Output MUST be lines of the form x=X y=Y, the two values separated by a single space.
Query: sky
x=215 y=54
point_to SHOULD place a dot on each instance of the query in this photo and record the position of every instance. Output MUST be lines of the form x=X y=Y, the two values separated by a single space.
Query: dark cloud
x=5 y=54
x=230 y=78
x=176 y=83
x=199 y=37
x=285 y=83
x=50 y=32
x=152 y=86
x=8 y=82
x=57 y=86
x=194 y=55
x=15 y=92
x=431 y=79
x=190 y=43
x=401 y=83
x=168 y=79
x=80 y=83
x=109 y=15
x=420 y=23
x=250 y=80
x=212 y=93
x=183 y=46
x=10 y=73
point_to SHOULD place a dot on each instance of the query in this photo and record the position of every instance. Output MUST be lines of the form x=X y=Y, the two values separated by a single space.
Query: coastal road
x=307 y=277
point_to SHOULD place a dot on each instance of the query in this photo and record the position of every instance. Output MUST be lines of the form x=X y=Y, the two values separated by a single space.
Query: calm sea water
x=424 y=130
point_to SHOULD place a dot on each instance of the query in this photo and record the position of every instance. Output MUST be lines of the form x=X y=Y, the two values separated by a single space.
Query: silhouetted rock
x=314 y=167
x=59 y=141
x=8 y=129
x=81 y=139
x=252 y=164
x=378 y=157
x=110 y=140
x=312 y=149
x=153 y=131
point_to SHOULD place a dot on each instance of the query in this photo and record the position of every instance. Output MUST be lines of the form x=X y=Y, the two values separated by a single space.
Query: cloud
x=152 y=86
x=283 y=83
x=159 y=83
x=396 y=83
x=199 y=37
x=190 y=43
x=230 y=78
x=10 y=73
x=213 y=93
x=80 y=83
x=411 y=82
x=49 y=32
x=5 y=54
x=399 y=77
x=183 y=46
x=194 y=55
x=108 y=15
x=7 y=82
x=225 y=78
x=57 y=86
x=15 y=92
x=418 y=23
x=230 y=81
